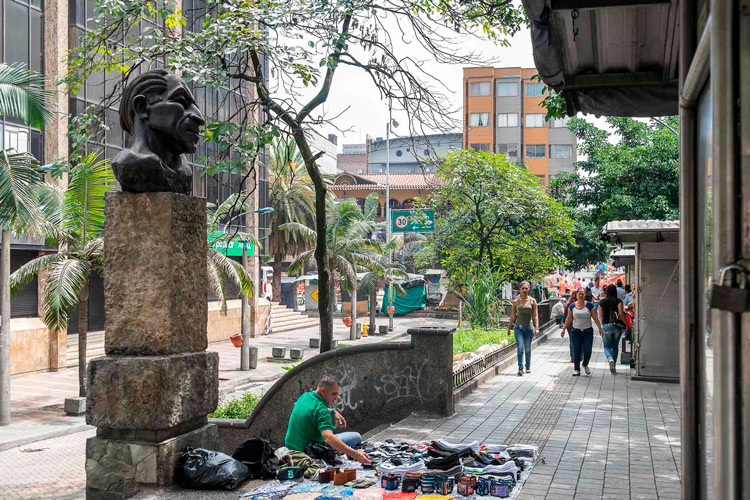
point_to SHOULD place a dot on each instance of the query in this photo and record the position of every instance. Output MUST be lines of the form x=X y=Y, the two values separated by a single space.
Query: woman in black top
x=610 y=312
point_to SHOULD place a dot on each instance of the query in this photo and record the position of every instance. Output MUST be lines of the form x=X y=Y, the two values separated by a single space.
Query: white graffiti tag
x=404 y=383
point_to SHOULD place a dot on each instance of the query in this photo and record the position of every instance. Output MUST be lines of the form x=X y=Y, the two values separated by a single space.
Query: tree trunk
x=332 y=291
x=5 y=328
x=278 y=262
x=373 y=306
x=353 y=328
x=83 y=330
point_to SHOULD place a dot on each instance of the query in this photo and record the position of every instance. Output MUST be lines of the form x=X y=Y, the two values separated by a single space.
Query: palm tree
x=350 y=248
x=385 y=272
x=221 y=268
x=292 y=196
x=22 y=96
x=74 y=221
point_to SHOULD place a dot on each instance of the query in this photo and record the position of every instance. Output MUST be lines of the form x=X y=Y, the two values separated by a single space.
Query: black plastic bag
x=322 y=451
x=259 y=457
x=202 y=469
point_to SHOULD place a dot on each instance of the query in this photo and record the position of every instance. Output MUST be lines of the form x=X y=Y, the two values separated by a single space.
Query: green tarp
x=415 y=298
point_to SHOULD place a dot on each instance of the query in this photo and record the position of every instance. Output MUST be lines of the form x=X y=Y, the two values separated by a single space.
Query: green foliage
x=493 y=215
x=22 y=95
x=635 y=177
x=553 y=102
x=73 y=221
x=470 y=339
x=482 y=305
x=241 y=407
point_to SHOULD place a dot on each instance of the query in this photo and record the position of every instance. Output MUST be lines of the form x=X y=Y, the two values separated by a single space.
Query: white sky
x=368 y=114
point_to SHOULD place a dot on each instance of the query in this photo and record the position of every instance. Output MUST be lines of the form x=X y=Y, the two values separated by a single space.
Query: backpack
x=258 y=455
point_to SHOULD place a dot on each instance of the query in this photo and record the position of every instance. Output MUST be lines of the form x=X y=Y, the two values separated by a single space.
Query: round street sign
x=401 y=221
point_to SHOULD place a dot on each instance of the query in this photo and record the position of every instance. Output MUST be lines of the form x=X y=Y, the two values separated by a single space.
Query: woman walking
x=580 y=315
x=523 y=311
x=613 y=317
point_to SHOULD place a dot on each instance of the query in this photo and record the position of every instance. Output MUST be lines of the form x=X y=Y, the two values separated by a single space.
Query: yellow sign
x=314 y=295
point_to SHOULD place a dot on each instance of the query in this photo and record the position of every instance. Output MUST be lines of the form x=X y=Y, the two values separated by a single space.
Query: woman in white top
x=581 y=314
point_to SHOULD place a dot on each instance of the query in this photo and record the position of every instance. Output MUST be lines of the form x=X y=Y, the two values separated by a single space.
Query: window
x=506 y=89
x=535 y=120
x=559 y=122
x=534 y=89
x=481 y=147
x=507 y=149
x=535 y=150
x=16 y=138
x=479 y=120
x=561 y=151
x=480 y=88
x=507 y=119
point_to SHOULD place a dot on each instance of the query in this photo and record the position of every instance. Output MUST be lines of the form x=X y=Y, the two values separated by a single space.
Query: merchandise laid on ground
x=399 y=471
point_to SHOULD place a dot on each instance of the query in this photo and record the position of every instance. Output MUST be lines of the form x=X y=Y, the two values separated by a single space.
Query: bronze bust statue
x=159 y=114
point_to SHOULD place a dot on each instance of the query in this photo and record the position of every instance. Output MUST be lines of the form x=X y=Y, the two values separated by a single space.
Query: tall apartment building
x=503 y=113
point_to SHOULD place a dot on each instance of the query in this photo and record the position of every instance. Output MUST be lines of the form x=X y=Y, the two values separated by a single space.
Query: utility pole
x=249 y=309
x=388 y=208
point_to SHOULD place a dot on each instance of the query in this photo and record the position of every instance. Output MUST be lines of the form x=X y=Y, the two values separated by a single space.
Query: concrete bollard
x=315 y=343
x=295 y=353
x=383 y=329
x=279 y=352
x=253 y=358
x=75 y=406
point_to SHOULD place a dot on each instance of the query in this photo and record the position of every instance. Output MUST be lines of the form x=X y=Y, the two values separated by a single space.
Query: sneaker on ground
x=576 y=373
x=612 y=366
x=528 y=369
x=520 y=372
x=587 y=370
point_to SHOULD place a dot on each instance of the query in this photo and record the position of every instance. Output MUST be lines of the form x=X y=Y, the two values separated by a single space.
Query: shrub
x=240 y=407
x=482 y=304
x=470 y=339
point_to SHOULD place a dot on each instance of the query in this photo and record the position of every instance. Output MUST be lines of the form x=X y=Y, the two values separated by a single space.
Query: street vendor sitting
x=312 y=421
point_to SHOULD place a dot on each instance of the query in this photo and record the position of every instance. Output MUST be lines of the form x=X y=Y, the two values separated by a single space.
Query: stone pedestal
x=149 y=396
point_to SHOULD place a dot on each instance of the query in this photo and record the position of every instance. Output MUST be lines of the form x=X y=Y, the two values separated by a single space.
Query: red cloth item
x=400 y=495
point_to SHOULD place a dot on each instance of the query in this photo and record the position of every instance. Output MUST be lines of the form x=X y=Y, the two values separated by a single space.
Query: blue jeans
x=582 y=342
x=611 y=340
x=351 y=439
x=524 y=336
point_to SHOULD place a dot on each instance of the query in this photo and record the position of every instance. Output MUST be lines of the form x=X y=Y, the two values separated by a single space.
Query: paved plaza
x=601 y=436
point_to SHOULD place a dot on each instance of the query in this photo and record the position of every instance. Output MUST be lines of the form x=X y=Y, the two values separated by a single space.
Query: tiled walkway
x=601 y=436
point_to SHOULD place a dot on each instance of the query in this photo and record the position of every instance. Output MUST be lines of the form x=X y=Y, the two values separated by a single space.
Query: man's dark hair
x=328 y=380
x=148 y=84
x=627 y=288
x=619 y=282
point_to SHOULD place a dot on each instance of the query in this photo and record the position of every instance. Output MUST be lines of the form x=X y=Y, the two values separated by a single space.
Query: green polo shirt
x=310 y=417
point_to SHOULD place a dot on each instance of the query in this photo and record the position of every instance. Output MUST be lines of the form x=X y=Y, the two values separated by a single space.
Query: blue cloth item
x=524 y=335
x=628 y=299
x=582 y=342
x=611 y=340
x=351 y=439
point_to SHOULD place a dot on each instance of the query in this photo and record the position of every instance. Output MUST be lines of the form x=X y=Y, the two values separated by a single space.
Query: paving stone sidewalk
x=602 y=436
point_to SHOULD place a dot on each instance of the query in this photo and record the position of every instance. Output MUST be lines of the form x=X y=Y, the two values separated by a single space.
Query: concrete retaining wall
x=380 y=383
x=221 y=327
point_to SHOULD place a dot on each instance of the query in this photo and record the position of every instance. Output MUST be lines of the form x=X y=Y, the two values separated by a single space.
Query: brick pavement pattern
x=602 y=436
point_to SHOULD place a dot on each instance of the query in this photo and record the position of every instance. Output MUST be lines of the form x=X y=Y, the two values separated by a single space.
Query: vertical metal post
x=245 y=328
x=388 y=208
x=728 y=442
x=353 y=327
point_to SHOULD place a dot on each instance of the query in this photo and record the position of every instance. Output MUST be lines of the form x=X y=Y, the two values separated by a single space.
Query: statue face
x=175 y=119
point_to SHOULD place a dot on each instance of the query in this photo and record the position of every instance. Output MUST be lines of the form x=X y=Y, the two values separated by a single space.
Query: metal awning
x=622 y=232
x=608 y=57
x=623 y=257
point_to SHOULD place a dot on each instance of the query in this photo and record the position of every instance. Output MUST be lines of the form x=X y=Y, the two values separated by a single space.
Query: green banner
x=233 y=247
x=412 y=221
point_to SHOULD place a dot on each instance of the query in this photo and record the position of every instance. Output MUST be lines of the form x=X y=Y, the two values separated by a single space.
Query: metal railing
x=478 y=366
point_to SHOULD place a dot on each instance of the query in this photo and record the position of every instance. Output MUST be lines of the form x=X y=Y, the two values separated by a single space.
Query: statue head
x=162 y=103
x=159 y=114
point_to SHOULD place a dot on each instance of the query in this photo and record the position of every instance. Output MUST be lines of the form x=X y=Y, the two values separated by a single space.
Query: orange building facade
x=503 y=113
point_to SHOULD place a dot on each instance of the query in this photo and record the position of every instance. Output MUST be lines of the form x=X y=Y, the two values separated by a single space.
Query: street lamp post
x=388 y=207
